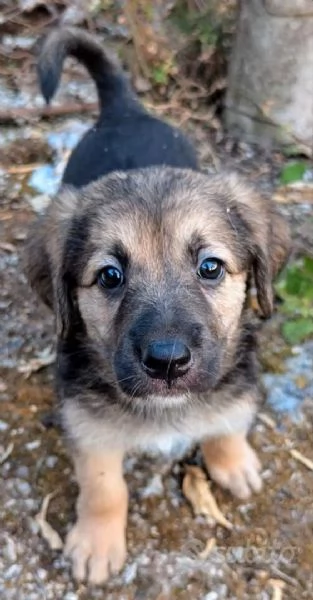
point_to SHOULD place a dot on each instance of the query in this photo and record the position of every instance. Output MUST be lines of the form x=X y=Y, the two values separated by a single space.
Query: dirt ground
x=269 y=552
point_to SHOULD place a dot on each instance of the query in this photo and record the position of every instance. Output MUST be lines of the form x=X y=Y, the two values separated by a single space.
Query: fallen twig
x=281 y=575
x=48 y=533
x=307 y=462
x=45 y=112
x=21 y=169
x=6 y=453
x=267 y=420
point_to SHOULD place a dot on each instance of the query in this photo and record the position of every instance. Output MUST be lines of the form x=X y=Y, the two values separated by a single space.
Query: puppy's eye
x=110 y=277
x=211 y=269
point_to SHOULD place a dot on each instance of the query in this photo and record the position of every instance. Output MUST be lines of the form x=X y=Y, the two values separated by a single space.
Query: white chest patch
x=127 y=434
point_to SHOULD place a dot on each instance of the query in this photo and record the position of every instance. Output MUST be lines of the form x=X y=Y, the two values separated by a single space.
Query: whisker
x=125 y=379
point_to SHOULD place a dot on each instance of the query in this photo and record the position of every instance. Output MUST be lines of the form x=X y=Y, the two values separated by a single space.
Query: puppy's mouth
x=166 y=370
x=139 y=385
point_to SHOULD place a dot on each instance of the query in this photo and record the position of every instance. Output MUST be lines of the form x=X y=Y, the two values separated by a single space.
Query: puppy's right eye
x=211 y=269
x=110 y=277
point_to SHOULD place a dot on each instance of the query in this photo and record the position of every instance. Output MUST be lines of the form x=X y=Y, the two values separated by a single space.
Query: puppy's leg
x=233 y=464
x=97 y=544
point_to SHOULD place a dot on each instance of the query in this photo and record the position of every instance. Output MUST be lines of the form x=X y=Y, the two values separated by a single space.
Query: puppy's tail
x=70 y=41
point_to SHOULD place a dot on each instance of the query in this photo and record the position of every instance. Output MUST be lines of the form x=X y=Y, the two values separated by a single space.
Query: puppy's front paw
x=234 y=465
x=97 y=548
x=242 y=477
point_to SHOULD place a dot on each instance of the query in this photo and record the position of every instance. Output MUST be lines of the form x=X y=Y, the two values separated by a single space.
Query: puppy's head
x=149 y=271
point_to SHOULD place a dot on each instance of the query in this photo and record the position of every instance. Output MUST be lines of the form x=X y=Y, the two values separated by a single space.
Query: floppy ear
x=269 y=258
x=280 y=243
x=46 y=257
x=37 y=265
x=64 y=304
x=268 y=239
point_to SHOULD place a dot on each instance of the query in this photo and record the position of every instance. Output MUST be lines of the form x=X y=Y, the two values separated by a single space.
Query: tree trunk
x=270 y=88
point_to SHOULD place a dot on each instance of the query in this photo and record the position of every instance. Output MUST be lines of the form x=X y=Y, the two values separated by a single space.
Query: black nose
x=166 y=359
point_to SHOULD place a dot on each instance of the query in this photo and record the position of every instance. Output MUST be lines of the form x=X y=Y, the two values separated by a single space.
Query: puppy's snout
x=166 y=359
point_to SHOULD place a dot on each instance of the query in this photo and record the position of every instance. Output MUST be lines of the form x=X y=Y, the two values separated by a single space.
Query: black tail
x=69 y=41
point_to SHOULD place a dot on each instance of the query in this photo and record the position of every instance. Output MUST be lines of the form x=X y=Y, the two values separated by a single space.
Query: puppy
x=146 y=263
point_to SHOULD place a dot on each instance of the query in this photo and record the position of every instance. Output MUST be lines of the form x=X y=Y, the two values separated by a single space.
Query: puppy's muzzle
x=166 y=359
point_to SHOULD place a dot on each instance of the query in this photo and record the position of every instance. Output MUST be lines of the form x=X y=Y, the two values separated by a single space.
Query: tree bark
x=270 y=88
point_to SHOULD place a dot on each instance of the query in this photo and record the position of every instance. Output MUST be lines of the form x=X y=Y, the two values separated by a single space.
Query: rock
x=262 y=106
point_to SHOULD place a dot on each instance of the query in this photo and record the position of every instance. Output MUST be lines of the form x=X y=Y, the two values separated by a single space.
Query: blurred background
x=238 y=78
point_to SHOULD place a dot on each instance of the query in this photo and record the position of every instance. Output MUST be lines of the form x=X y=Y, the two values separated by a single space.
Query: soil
x=271 y=544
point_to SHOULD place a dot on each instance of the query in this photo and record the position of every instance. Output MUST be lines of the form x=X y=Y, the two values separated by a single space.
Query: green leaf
x=292 y=307
x=297 y=280
x=160 y=75
x=308 y=266
x=297 y=330
x=293 y=171
x=293 y=283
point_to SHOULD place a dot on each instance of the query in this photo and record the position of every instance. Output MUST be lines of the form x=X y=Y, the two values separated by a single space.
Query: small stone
x=3 y=386
x=33 y=445
x=3 y=425
x=211 y=596
x=22 y=472
x=33 y=526
x=51 y=461
x=142 y=85
x=13 y=571
x=154 y=487
x=41 y=202
x=10 y=504
x=42 y=574
x=144 y=560
x=22 y=487
x=9 y=551
x=30 y=504
x=222 y=590
x=70 y=596
x=130 y=573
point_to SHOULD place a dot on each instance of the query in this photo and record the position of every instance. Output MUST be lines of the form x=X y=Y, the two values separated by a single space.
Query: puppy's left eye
x=211 y=269
x=110 y=277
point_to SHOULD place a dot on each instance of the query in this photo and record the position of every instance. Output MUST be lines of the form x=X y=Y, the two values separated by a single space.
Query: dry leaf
x=6 y=216
x=307 y=462
x=298 y=192
x=48 y=533
x=211 y=543
x=7 y=247
x=44 y=359
x=196 y=488
x=277 y=587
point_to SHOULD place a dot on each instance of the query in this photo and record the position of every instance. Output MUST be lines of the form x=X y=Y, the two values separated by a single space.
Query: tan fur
x=228 y=303
x=184 y=216
x=97 y=544
x=233 y=464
